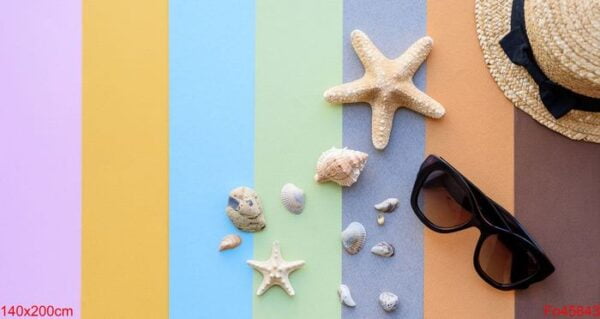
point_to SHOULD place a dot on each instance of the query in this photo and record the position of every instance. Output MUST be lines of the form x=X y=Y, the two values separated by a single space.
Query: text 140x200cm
x=32 y=311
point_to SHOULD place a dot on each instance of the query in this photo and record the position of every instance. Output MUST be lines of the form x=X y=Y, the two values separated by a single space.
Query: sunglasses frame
x=510 y=226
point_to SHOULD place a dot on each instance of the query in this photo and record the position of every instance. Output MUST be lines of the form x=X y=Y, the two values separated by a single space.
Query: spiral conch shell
x=229 y=242
x=342 y=166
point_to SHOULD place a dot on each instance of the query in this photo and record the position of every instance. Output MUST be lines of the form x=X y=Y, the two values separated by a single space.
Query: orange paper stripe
x=477 y=137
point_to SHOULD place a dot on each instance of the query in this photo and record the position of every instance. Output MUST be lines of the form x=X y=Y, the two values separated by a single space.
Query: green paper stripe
x=298 y=56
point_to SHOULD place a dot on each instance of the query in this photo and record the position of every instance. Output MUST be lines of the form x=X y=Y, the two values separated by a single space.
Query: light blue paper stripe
x=211 y=60
x=393 y=26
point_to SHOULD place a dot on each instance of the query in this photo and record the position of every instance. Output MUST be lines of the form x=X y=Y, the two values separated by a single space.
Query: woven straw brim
x=493 y=22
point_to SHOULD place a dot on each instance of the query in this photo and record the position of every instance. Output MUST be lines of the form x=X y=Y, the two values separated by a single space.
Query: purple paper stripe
x=40 y=153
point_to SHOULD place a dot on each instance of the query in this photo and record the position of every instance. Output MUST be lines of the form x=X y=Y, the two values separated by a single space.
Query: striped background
x=125 y=123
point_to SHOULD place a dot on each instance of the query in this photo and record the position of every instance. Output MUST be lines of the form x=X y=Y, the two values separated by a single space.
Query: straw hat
x=564 y=38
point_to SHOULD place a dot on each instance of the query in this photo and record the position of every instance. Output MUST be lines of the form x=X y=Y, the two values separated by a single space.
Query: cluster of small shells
x=244 y=209
x=387 y=206
x=355 y=236
x=387 y=300
x=353 y=239
x=342 y=166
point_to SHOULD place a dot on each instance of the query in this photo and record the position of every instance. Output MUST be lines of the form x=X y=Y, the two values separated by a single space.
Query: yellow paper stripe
x=125 y=159
x=477 y=137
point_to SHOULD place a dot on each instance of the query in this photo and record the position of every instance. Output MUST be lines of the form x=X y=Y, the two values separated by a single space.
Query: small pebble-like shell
x=244 y=209
x=292 y=198
x=380 y=219
x=345 y=296
x=354 y=237
x=229 y=242
x=383 y=249
x=342 y=166
x=388 y=301
x=388 y=205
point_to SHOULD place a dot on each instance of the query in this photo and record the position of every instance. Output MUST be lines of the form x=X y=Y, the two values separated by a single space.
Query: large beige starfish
x=276 y=271
x=387 y=85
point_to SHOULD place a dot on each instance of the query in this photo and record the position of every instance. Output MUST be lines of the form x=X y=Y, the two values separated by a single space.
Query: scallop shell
x=245 y=210
x=388 y=205
x=342 y=166
x=383 y=249
x=388 y=301
x=345 y=296
x=354 y=237
x=292 y=197
x=229 y=242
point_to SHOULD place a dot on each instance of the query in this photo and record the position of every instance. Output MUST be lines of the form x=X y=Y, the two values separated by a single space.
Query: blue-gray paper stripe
x=393 y=26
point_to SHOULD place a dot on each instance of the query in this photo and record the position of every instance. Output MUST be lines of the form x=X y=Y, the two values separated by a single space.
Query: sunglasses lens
x=506 y=260
x=443 y=201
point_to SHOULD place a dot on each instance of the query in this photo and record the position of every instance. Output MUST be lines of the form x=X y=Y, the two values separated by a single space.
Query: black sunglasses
x=506 y=256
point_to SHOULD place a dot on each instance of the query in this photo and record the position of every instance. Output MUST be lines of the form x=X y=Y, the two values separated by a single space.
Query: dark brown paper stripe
x=557 y=198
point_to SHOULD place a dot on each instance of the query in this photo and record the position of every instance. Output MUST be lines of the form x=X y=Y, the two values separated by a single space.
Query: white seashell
x=292 y=197
x=388 y=205
x=380 y=219
x=354 y=237
x=383 y=249
x=388 y=301
x=342 y=166
x=345 y=296
x=229 y=242
x=245 y=210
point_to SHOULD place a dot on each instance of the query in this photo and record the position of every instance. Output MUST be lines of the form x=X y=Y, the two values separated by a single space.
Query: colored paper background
x=293 y=125
x=124 y=125
x=389 y=173
x=477 y=137
x=125 y=159
x=211 y=90
x=40 y=153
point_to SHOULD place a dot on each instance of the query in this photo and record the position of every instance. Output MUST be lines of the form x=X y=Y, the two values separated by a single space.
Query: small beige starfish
x=275 y=271
x=387 y=85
